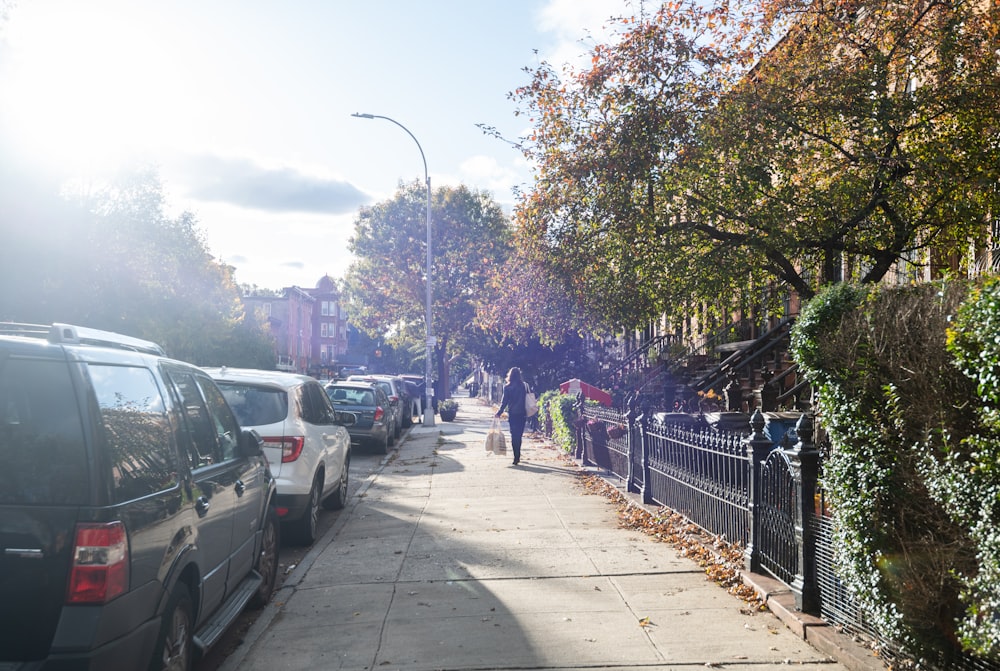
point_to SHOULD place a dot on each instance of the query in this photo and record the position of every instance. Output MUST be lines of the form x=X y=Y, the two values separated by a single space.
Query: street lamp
x=430 y=340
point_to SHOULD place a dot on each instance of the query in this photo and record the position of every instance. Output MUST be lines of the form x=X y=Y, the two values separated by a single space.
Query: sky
x=244 y=106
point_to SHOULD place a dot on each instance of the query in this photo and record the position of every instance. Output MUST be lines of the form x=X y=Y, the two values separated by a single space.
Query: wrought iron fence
x=743 y=486
x=701 y=474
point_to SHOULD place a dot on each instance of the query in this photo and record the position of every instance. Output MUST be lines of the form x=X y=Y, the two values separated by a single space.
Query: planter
x=448 y=415
x=616 y=432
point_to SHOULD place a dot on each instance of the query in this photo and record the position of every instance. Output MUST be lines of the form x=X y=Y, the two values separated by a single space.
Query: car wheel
x=338 y=499
x=174 y=649
x=267 y=560
x=382 y=447
x=304 y=529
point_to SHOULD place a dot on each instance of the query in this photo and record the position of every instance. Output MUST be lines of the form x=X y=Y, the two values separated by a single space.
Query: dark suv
x=136 y=517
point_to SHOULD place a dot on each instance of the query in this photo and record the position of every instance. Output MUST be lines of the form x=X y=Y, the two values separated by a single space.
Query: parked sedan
x=306 y=441
x=373 y=426
x=402 y=393
x=392 y=386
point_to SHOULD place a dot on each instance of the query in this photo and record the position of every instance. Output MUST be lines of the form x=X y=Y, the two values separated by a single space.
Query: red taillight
x=100 y=563
x=379 y=412
x=290 y=446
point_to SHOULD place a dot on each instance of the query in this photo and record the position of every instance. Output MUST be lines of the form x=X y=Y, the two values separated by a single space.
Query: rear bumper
x=294 y=506
x=366 y=436
x=136 y=646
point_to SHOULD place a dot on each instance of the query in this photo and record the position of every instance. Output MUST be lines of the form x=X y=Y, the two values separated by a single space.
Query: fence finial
x=757 y=423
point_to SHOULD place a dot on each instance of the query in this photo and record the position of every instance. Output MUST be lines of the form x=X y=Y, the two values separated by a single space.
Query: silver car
x=374 y=426
x=393 y=388
x=306 y=441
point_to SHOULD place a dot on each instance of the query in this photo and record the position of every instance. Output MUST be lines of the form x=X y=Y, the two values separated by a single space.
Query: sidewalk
x=451 y=558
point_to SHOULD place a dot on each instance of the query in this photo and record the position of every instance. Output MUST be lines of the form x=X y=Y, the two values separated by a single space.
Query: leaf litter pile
x=722 y=561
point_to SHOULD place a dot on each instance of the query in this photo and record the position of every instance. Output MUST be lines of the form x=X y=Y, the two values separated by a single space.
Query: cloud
x=246 y=184
x=487 y=173
x=577 y=25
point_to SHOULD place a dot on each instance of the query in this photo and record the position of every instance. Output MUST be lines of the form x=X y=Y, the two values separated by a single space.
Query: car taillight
x=100 y=563
x=378 y=413
x=290 y=446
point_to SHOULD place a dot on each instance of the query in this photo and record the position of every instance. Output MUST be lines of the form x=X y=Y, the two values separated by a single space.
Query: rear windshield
x=255 y=406
x=41 y=435
x=351 y=396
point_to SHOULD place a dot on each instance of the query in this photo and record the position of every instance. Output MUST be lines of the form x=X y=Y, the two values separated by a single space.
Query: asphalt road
x=363 y=463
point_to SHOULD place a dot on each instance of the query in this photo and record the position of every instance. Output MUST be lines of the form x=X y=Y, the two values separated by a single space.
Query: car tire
x=174 y=649
x=303 y=530
x=338 y=498
x=382 y=447
x=267 y=560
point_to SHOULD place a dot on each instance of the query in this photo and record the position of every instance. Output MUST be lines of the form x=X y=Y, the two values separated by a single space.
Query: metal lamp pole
x=430 y=340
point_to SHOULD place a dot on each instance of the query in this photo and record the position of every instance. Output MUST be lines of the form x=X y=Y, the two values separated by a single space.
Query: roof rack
x=81 y=335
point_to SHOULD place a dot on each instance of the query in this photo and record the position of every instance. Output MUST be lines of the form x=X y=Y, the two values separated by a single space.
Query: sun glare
x=85 y=91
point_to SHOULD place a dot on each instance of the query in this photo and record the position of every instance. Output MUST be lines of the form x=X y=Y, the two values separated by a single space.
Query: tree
x=385 y=290
x=109 y=258
x=530 y=303
x=696 y=161
x=862 y=142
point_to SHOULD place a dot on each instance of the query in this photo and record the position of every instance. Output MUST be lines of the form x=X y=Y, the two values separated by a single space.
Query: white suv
x=305 y=441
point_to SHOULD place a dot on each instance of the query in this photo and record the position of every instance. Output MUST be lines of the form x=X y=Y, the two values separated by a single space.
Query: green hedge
x=559 y=410
x=913 y=469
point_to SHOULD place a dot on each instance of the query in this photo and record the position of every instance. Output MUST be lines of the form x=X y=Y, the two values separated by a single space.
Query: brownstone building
x=309 y=326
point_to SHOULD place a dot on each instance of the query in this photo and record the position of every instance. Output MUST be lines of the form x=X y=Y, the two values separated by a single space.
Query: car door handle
x=240 y=488
x=202 y=505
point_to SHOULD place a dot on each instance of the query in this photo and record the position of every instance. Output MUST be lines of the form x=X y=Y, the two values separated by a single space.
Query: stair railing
x=743 y=358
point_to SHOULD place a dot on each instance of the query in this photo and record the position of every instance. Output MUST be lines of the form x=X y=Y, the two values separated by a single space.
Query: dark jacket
x=513 y=399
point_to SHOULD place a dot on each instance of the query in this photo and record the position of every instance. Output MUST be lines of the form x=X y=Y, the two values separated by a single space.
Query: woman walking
x=513 y=402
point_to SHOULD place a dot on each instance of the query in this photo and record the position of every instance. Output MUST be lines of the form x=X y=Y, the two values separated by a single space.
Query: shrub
x=966 y=477
x=560 y=409
x=896 y=408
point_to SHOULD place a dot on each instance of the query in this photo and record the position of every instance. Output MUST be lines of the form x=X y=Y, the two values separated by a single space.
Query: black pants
x=516 y=432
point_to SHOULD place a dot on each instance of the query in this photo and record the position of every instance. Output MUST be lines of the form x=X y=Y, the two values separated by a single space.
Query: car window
x=316 y=408
x=41 y=435
x=136 y=430
x=198 y=431
x=255 y=406
x=226 y=430
x=349 y=396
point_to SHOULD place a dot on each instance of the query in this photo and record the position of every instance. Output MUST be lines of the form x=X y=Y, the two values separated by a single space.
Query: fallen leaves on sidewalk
x=722 y=561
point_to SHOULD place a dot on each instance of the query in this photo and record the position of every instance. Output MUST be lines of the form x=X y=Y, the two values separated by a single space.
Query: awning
x=589 y=391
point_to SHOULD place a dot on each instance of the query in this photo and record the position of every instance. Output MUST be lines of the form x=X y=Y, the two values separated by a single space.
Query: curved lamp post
x=430 y=340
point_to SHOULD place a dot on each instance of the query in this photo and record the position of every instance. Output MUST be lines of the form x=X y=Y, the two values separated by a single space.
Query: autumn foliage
x=727 y=154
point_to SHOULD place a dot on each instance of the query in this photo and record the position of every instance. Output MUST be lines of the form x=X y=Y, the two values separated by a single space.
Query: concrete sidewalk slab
x=451 y=558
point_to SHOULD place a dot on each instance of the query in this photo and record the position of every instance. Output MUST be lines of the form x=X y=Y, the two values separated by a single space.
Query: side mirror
x=251 y=444
x=345 y=418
